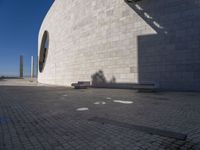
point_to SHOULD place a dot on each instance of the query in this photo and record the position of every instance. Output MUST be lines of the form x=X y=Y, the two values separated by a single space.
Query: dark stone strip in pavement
x=149 y=130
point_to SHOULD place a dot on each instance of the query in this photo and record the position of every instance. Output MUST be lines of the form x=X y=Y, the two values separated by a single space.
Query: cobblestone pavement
x=57 y=118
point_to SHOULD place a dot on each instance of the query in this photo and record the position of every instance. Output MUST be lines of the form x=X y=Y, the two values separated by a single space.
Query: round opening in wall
x=43 y=50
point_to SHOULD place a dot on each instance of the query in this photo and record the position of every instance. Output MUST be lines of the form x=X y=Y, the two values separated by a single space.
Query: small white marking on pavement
x=82 y=109
x=123 y=102
x=65 y=95
x=108 y=98
x=98 y=103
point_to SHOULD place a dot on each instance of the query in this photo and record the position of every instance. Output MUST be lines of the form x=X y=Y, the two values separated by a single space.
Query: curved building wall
x=148 y=41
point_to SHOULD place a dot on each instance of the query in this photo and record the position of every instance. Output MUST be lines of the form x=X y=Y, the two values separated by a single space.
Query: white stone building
x=128 y=42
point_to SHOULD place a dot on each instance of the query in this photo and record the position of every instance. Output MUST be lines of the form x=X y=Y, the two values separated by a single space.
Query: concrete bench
x=131 y=1
x=81 y=85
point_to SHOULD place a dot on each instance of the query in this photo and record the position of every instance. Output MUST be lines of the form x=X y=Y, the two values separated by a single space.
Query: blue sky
x=20 y=22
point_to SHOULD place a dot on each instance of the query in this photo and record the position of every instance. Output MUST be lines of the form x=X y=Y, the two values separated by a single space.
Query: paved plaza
x=58 y=118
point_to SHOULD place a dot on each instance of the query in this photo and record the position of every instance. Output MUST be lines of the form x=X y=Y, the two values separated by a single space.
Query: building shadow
x=99 y=81
x=98 y=78
x=171 y=57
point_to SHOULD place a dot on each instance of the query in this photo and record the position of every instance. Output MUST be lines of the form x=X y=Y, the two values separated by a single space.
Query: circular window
x=43 y=50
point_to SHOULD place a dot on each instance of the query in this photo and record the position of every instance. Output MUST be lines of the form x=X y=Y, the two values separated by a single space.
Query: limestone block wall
x=148 y=41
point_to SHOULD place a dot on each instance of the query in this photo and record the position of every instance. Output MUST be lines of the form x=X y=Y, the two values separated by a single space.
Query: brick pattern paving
x=46 y=118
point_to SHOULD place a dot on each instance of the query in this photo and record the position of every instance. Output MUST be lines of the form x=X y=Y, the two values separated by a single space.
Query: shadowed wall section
x=171 y=57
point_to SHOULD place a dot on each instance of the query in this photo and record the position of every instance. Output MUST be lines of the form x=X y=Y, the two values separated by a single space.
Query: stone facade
x=148 y=41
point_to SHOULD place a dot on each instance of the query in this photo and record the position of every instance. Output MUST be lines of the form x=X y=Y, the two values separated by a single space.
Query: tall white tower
x=32 y=66
x=21 y=67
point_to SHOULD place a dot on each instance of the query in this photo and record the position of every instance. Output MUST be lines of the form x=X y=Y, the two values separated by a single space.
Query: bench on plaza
x=81 y=85
x=131 y=1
